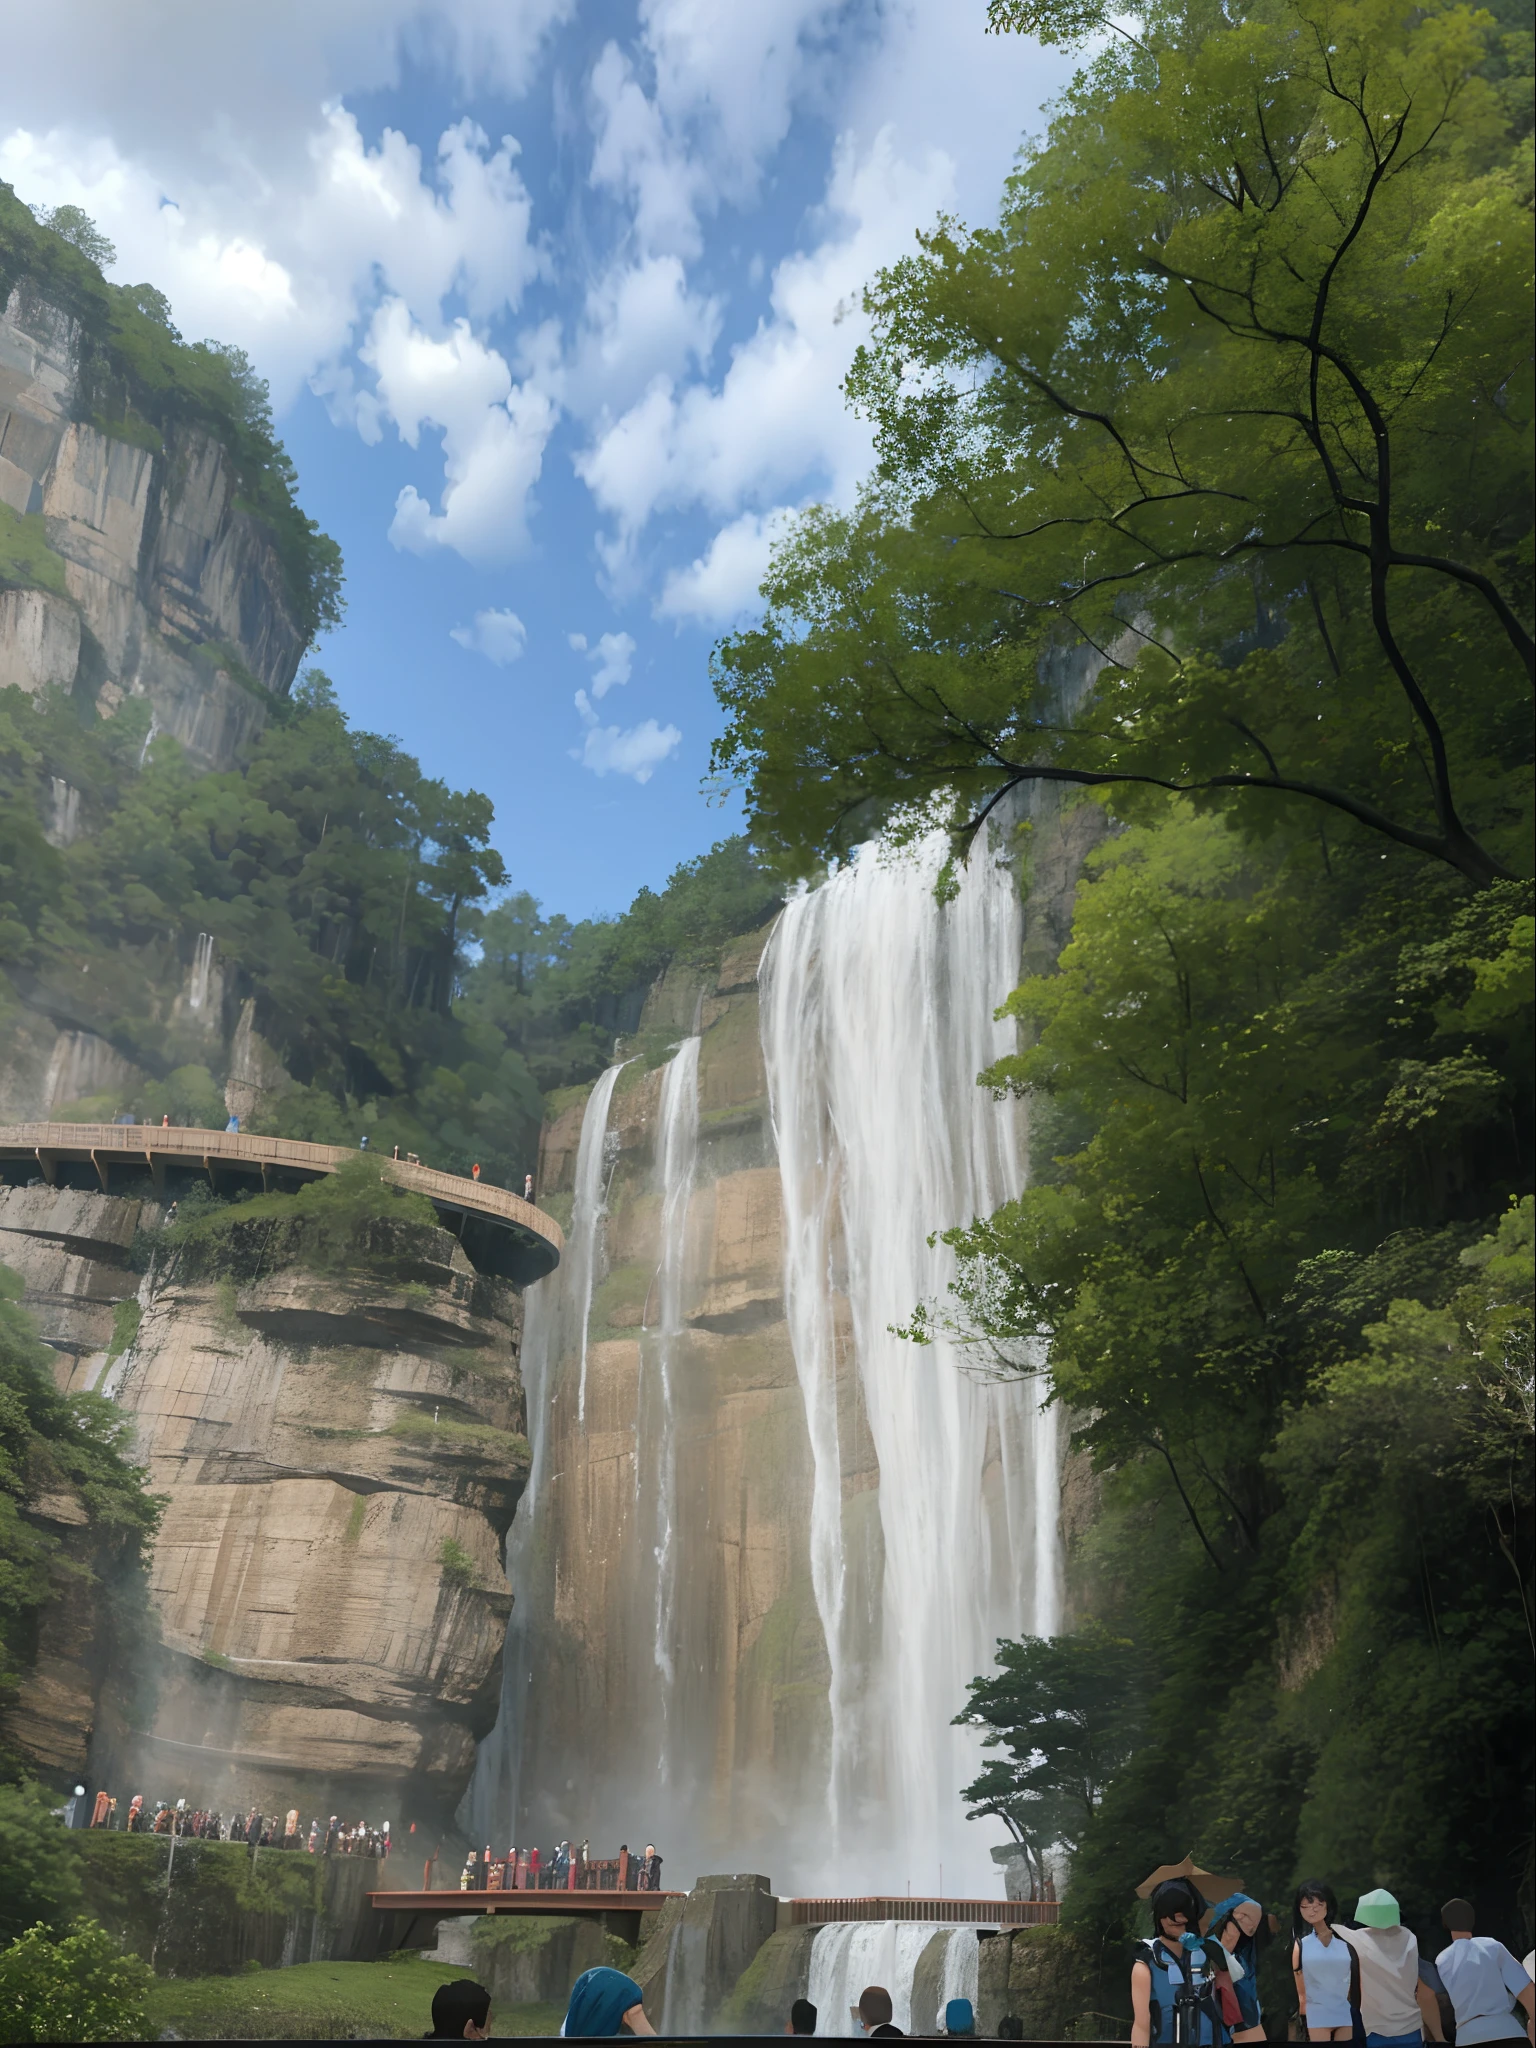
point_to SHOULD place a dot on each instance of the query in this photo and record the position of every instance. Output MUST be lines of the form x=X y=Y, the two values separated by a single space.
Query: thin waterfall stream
x=878 y=1010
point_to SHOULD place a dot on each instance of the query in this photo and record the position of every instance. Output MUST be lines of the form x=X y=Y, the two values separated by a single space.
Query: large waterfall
x=877 y=1015
x=766 y=1541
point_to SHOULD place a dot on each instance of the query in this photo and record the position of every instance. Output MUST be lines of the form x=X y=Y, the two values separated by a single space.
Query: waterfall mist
x=877 y=1015
x=766 y=1543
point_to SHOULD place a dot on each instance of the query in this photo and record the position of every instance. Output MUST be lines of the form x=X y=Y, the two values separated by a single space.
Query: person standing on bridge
x=474 y=1171
x=527 y=1187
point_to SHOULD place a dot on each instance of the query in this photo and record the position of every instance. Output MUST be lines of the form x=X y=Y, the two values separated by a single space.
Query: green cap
x=1378 y=1909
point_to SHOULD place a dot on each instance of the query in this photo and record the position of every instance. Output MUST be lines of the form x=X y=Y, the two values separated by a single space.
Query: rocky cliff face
x=740 y=1722
x=153 y=582
x=340 y=1452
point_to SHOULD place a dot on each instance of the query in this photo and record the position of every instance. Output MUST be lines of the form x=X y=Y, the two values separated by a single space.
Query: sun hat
x=1378 y=1909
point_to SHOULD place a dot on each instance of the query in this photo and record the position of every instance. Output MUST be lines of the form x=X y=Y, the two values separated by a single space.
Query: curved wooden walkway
x=276 y=1162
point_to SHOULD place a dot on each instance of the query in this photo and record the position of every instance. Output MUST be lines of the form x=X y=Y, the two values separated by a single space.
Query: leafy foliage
x=39 y=1864
x=141 y=381
x=1204 y=493
x=80 y=1988
x=1233 y=396
x=352 y=897
x=50 y=1444
x=1067 y=1710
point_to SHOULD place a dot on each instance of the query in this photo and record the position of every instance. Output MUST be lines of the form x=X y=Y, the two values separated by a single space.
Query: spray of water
x=679 y=1142
x=202 y=972
x=587 y=1213
x=877 y=1015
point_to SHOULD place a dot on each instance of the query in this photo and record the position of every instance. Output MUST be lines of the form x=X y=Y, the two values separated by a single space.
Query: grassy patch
x=390 y=2001
x=126 y=1318
x=25 y=556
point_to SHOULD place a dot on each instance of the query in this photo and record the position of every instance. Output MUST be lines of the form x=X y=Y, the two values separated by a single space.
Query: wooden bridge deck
x=446 y=1904
x=792 y=1912
x=53 y=1149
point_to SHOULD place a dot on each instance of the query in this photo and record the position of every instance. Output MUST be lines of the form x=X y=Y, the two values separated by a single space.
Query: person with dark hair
x=1177 y=1961
x=802 y=2018
x=604 y=2002
x=874 y=2014
x=1484 y=1982
x=461 y=2011
x=1010 y=2027
x=1235 y=1923
x=1326 y=1968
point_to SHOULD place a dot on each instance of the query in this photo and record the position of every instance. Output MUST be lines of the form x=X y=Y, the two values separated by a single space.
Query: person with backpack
x=1178 y=1978
x=1235 y=1923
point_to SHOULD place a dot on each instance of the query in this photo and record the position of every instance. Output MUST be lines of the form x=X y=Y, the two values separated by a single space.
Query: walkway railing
x=966 y=1912
x=157 y=1146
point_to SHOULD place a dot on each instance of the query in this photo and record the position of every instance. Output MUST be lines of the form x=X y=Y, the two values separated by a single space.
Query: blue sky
x=555 y=298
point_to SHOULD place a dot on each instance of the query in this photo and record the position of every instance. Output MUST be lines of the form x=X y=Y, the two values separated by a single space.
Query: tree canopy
x=1200 y=537
x=1233 y=406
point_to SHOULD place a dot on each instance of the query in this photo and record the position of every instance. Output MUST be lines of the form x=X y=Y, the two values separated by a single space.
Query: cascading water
x=848 y=1956
x=558 y=1310
x=877 y=1015
x=587 y=1215
x=202 y=972
x=678 y=1144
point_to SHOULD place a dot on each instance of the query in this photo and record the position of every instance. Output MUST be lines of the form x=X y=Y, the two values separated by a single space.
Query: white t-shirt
x=1482 y=1979
x=1389 y=1978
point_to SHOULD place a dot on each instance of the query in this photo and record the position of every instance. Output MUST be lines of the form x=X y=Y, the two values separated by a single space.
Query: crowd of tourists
x=1194 y=1982
x=257 y=1830
x=563 y=1868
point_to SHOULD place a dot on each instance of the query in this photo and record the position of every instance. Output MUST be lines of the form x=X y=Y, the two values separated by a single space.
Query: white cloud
x=612 y=659
x=640 y=321
x=777 y=418
x=637 y=750
x=288 y=270
x=500 y=636
x=723 y=582
x=225 y=97
x=493 y=430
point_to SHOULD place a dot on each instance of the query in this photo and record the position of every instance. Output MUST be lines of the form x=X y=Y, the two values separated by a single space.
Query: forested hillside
x=406 y=990
x=1236 y=391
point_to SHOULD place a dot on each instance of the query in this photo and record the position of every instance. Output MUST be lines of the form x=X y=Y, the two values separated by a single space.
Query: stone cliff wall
x=340 y=1452
x=741 y=1726
x=152 y=577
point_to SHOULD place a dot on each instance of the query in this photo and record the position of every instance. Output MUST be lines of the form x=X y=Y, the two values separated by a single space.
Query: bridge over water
x=500 y=1232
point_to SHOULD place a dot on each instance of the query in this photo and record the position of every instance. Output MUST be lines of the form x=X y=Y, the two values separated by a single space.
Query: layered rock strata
x=340 y=1449
x=154 y=582
x=702 y=1721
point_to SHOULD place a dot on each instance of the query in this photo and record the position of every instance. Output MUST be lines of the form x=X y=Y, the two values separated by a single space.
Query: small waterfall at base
x=848 y=1957
x=877 y=1015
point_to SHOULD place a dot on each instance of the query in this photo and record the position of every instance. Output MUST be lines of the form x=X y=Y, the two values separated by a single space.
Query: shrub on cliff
x=328 y=1222
x=40 y=1881
x=77 y=1446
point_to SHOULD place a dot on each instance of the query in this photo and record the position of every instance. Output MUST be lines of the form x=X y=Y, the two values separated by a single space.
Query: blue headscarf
x=599 y=2001
x=1247 y=1953
x=959 y=2017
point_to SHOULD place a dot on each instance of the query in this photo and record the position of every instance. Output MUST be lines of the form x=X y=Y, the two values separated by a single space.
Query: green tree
x=1234 y=394
x=81 y=1988
x=40 y=1880
x=1068 y=1711
x=75 y=226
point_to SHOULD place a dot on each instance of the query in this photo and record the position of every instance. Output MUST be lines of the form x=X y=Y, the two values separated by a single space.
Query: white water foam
x=877 y=1015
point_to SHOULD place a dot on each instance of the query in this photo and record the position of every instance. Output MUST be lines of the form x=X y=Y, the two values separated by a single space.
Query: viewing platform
x=791 y=1912
x=501 y=1233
